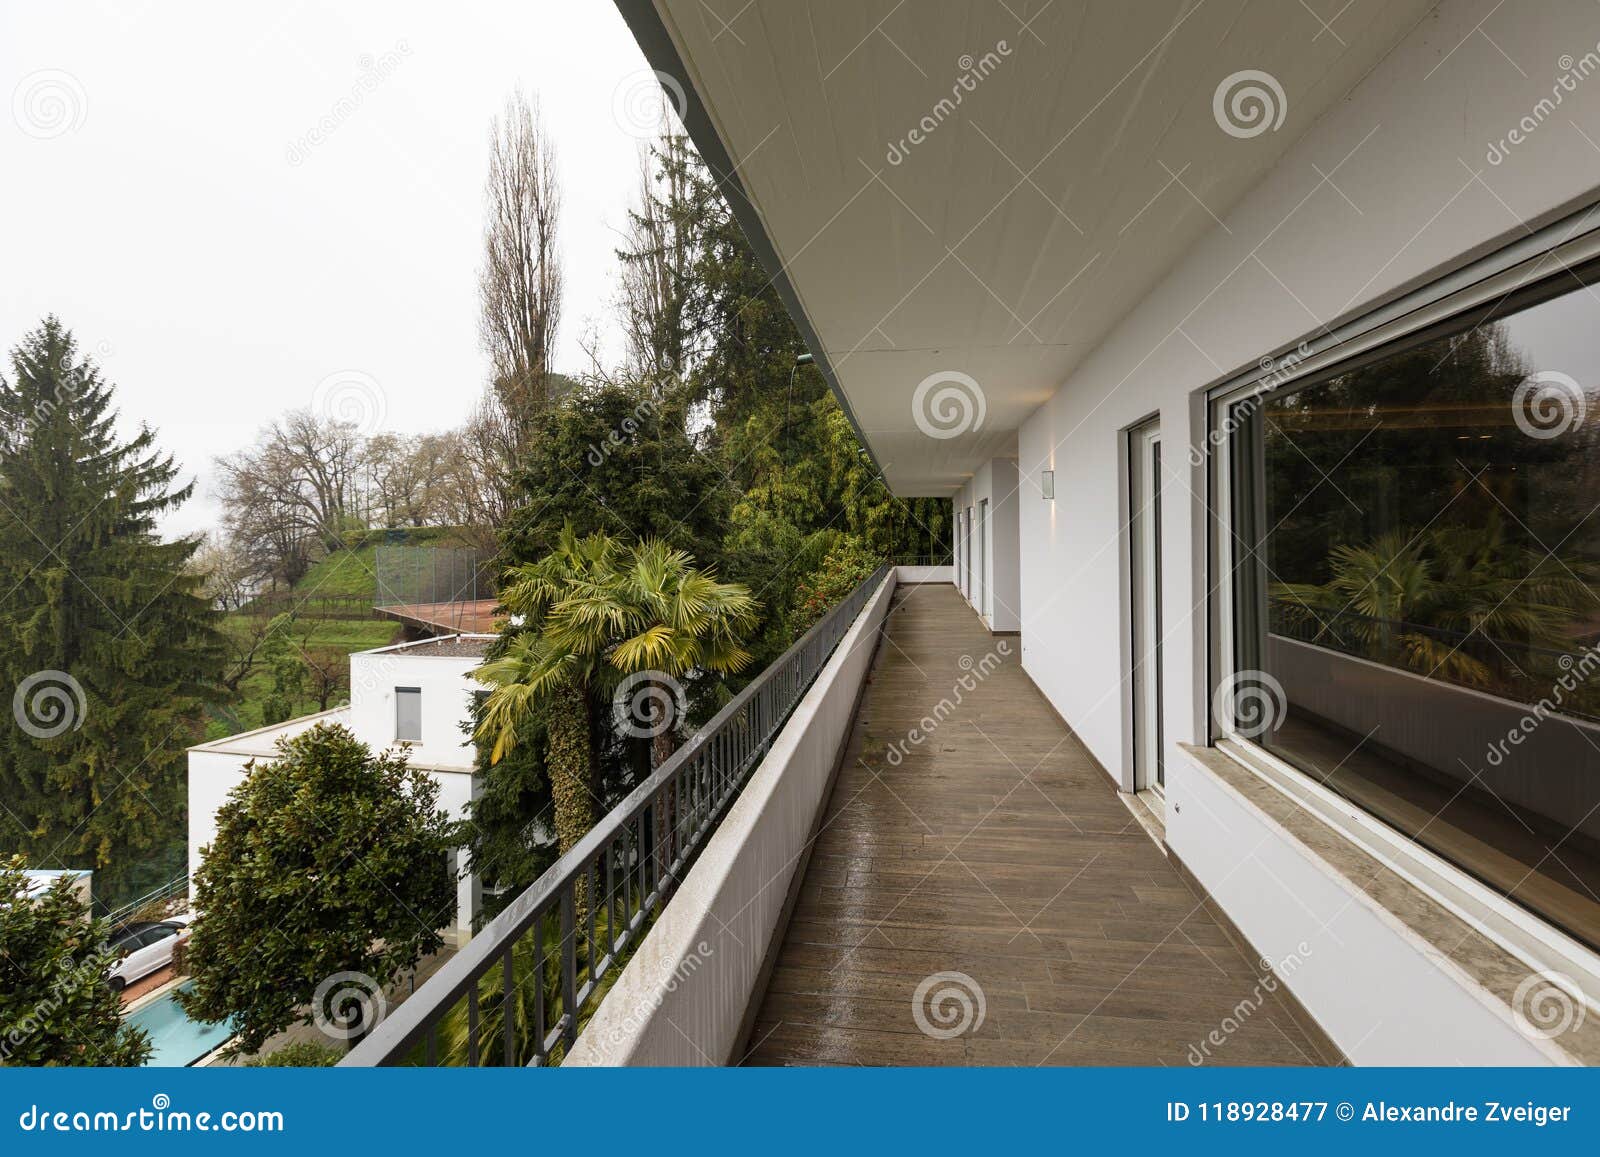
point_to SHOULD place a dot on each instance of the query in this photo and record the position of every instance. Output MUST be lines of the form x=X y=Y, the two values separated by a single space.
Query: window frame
x=398 y=692
x=1532 y=268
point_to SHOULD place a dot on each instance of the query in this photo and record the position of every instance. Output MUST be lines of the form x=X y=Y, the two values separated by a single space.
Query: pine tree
x=107 y=647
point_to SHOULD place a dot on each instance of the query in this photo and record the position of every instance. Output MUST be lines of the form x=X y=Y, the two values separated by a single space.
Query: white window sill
x=1478 y=938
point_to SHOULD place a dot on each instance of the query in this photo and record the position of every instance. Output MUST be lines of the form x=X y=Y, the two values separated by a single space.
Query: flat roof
x=264 y=740
x=447 y=647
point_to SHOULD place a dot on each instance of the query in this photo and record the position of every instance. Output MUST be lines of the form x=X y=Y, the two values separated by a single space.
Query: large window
x=1415 y=590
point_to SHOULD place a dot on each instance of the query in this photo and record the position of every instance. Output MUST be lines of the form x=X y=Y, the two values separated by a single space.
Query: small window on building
x=408 y=714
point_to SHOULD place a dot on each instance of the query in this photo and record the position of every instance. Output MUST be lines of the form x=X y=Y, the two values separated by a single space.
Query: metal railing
x=1520 y=671
x=519 y=992
x=174 y=887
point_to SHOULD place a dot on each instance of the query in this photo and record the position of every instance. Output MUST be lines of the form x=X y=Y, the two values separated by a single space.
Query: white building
x=413 y=694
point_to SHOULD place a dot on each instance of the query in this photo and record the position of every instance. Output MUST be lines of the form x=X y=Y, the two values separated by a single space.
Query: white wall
x=1408 y=195
x=924 y=574
x=1001 y=605
x=446 y=697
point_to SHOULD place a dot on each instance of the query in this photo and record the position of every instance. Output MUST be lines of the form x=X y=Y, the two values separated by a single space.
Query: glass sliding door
x=966 y=554
x=983 y=558
x=1415 y=590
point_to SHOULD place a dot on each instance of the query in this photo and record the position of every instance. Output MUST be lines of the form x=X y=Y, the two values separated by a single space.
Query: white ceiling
x=1032 y=217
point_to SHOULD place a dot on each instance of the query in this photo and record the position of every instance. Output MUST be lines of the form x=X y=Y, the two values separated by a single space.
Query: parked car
x=145 y=946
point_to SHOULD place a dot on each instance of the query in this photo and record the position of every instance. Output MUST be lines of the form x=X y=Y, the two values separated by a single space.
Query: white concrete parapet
x=682 y=999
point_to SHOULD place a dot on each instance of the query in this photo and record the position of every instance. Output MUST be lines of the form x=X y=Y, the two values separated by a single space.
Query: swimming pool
x=178 y=1040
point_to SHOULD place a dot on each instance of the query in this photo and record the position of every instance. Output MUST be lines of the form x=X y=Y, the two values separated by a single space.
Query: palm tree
x=1462 y=580
x=591 y=613
x=539 y=677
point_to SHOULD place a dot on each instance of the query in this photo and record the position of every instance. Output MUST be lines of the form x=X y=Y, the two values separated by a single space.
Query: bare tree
x=520 y=282
x=399 y=472
x=473 y=487
x=228 y=573
x=294 y=489
x=327 y=673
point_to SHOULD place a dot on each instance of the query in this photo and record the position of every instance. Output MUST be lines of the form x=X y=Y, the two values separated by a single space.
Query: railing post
x=569 y=968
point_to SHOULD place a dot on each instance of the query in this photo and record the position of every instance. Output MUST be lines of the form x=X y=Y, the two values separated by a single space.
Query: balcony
x=969 y=890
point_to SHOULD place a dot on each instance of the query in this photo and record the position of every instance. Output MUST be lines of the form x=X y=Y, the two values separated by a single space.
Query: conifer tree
x=108 y=649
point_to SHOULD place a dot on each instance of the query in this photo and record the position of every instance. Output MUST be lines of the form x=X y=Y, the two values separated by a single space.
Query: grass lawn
x=344 y=572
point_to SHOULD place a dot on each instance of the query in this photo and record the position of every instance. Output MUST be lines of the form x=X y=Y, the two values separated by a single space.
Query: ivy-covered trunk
x=570 y=764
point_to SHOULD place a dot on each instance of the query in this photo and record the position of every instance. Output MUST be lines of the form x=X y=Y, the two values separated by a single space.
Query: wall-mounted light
x=1047 y=485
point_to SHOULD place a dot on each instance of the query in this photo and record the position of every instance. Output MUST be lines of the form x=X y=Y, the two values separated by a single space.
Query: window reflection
x=1418 y=580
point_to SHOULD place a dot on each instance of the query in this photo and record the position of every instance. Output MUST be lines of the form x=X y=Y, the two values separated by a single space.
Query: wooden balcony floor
x=998 y=849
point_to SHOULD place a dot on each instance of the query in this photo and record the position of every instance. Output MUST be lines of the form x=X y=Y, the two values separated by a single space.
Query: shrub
x=299 y=1055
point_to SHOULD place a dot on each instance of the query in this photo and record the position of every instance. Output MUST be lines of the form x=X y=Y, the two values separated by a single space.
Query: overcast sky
x=228 y=203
